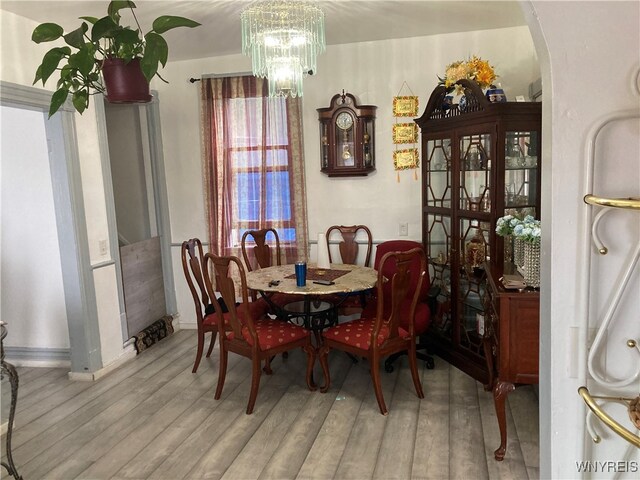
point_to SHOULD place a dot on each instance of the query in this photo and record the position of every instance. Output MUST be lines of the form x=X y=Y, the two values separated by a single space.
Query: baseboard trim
x=128 y=354
x=38 y=357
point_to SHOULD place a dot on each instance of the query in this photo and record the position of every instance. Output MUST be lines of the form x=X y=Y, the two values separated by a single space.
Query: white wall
x=599 y=50
x=127 y=172
x=18 y=65
x=374 y=72
x=31 y=286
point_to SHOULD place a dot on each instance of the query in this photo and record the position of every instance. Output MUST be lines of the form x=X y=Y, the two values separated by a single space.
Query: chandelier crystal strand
x=283 y=39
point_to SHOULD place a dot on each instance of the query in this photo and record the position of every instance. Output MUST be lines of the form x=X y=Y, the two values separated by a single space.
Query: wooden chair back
x=396 y=288
x=403 y=246
x=348 y=247
x=197 y=279
x=239 y=316
x=261 y=250
x=208 y=312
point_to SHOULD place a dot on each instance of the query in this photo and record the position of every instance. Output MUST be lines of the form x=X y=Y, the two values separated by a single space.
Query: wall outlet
x=403 y=229
x=103 y=247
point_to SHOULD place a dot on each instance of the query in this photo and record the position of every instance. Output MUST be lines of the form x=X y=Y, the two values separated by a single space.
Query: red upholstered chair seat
x=211 y=319
x=272 y=333
x=357 y=333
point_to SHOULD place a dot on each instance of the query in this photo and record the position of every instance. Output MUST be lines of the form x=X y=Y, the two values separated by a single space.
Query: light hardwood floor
x=153 y=418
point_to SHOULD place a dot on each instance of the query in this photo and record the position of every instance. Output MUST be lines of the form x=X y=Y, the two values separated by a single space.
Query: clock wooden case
x=347 y=133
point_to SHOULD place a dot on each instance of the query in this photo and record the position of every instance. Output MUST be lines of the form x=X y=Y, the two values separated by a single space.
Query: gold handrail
x=606 y=419
x=630 y=202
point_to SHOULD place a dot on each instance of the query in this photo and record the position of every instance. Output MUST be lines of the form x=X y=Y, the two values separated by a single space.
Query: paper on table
x=513 y=281
x=323 y=252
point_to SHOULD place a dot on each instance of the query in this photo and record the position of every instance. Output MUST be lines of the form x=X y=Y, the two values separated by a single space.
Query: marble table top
x=357 y=279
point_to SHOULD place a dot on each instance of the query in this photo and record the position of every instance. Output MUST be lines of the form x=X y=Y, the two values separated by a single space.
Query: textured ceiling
x=346 y=21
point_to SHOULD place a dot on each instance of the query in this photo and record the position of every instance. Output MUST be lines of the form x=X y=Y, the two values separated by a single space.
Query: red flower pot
x=125 y=82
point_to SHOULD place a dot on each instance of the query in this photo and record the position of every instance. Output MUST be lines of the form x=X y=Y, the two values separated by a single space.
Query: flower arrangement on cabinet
x=527 y=229
x=475 y=69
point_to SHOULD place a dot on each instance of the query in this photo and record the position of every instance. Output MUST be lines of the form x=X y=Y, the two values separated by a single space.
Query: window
x=253 y=165
x=261 y=169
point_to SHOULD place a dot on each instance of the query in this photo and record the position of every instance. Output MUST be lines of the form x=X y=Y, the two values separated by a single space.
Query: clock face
x=344 y=121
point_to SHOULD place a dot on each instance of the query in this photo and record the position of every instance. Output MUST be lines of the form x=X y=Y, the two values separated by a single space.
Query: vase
x=496 y=95
x=475 y=251
x=532 y=264
x=447 y=103
x=518 y=252
x=462 y=103
x=125 y=82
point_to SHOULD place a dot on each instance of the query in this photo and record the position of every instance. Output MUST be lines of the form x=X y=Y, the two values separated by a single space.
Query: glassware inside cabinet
x=439 y=250
x=520 y=174
x=475 y=172
x=438 y=181
x=475 y=251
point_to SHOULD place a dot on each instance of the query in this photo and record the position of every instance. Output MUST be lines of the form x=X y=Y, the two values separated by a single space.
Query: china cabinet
x=479 y=163
x=347 y=133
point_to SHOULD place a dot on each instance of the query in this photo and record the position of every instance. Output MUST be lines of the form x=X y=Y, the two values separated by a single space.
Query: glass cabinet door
x=438 y=173
x=474 y=252
x=520 y=174
x=438 y=245
x=475 y=172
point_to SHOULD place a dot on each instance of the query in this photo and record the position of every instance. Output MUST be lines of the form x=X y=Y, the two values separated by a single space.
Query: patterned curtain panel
x=253 y=165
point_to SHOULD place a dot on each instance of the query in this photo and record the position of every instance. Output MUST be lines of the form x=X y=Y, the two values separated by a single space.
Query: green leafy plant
x=80 y=61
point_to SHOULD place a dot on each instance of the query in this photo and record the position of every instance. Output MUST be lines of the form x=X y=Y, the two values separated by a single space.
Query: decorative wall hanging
x=405 y=106
x=405 y=132
x=405 y=159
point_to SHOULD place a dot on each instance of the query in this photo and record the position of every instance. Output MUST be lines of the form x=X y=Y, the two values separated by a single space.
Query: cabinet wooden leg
x=488 y=355
x=500 y=392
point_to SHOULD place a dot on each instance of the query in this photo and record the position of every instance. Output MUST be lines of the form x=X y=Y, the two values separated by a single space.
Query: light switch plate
x=403 y=229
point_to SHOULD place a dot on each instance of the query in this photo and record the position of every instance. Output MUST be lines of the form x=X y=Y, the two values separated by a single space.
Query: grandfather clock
x=347 y=132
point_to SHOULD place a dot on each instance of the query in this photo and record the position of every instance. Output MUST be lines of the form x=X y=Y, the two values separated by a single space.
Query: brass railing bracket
x=606 y=419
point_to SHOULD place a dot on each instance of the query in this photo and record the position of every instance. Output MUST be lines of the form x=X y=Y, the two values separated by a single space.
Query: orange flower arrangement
x=475 y=69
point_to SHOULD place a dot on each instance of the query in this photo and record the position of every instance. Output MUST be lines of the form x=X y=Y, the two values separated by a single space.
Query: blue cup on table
x=301 y=274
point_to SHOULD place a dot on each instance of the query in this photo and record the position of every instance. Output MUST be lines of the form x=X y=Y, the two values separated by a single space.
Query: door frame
x=150 y=125
x=77 y=271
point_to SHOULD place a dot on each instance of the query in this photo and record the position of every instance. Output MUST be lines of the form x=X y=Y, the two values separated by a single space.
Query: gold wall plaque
x=405 y=159
x=405 y=106
x=405 y=133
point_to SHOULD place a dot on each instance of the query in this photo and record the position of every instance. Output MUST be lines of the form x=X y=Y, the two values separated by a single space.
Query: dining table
x=317 y=307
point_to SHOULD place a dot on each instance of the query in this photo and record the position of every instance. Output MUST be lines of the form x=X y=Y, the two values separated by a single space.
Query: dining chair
x=192 y=265
x=204 y=298
x=348 y=246
x=349 y=249
x=384 y=333
x=255 y=339
x=261 y=256
x=425 y=308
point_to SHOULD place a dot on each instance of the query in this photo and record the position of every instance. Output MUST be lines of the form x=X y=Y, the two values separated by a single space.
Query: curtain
x=253 y=165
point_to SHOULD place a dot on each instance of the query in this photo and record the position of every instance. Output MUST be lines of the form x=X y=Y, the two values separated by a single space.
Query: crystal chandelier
x=283 y=39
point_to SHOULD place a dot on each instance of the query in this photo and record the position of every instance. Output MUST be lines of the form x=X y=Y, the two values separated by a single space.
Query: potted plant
x=111 y=58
